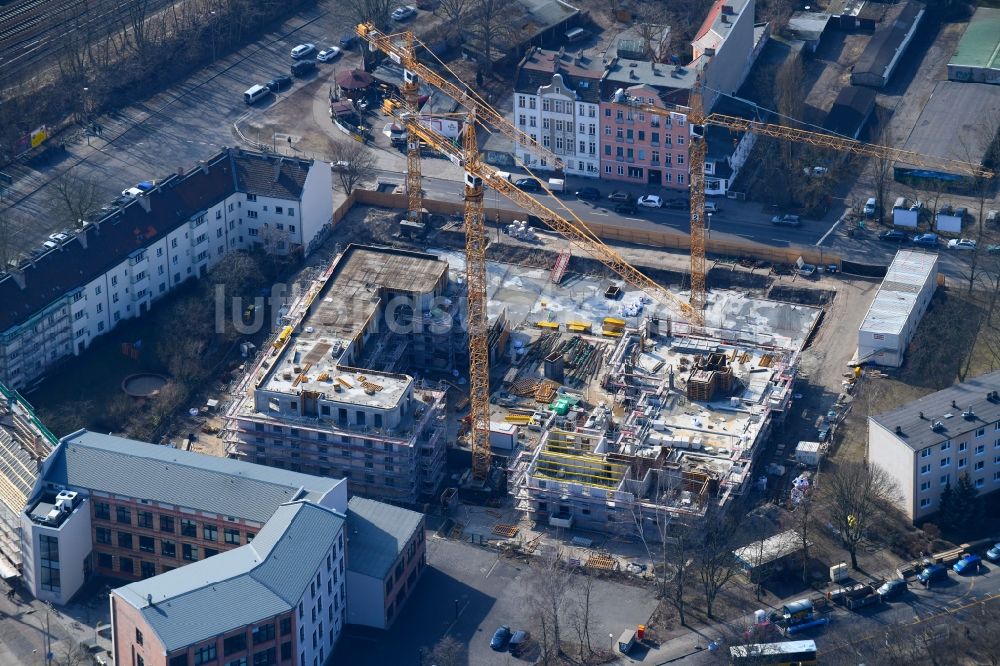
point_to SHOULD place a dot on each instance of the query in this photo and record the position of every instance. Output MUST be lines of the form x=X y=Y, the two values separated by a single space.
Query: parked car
x=403 y=13
x=968 y=564
x=993 y=554
x=500 y=638
x=340 y=165
x=869 y=209
x=627 y=207
x=528 y=185
x=518 y=641
x=302 y=50
x=618 y=195
x=787 y=220
x=678 y=204
x=591 y=193
x=926 y=240
x=932 y=573
x=650 y=201
x=58 y=237
x=279 y=83
x=993 y=216
x=328 y=54
x=961 y=244
x=993 y=249
x=302 y=67
x=894 y=236
x=50 y=245
x=892 y=588
x=815 y=171
x=712 y=207
x=348 y=40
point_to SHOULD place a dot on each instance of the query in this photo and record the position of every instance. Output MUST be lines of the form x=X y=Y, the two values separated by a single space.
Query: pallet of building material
x=506 y=531
x=602 y=562
x=456 y=531
x=524 y=387
x=545 y=391
x=532 y=545
x=766 y=360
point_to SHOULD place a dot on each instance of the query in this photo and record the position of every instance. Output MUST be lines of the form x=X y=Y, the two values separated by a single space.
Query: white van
x=711 y=207
x=254 y=93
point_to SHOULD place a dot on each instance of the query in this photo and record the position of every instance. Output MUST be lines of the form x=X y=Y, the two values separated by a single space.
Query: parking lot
x=487 y=593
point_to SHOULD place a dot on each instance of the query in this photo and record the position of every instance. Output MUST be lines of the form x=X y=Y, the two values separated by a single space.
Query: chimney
x=899 y=430
x=277 y=168
x=562 y=52
x=954 y=405
x=18 y=275
x=144 y=201
x=82 y=237
x=180 y=171
x=922 y=417
x=203 y=165
x=149 y=599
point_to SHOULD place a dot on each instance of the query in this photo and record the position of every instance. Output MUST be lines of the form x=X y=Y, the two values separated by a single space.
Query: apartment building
x=279 y=600
x=929 y=443
x=556 y=102
x=331 y=397
x=388 y=555
x=116 y=267
x=131 y=510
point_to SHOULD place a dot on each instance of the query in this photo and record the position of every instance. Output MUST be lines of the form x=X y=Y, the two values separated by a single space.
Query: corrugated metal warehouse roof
x=897 y=296
x=980 y=45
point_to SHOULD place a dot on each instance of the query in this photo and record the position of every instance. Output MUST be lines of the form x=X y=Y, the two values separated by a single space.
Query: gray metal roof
x=242 y=586
x=183 y=478
x=377 y=534
x=881 y=55
x=897 y=296
x=948 y=408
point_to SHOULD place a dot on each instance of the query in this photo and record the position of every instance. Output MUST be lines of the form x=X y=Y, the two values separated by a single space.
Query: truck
x=557 y=184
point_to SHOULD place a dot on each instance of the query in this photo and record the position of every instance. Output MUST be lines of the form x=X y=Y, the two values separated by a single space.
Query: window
x=189 y=528
x=680 y=160
x=925 y=502
x=168 y=548
x=102 y=510
x=978 y=466
x=251 y=197
x=979 y=483
x=263 y=634
x=104 y=560
x=207 y=653
x=944 y=480
x=286 y=650
x=925 y=453
x=189 y=552
x=926 y=485
x=961 y=463
x=49 y=547
x=103 y=535
x=166 y=524
x=232 y=536
x=962 y=446
x=264 y=657
x=179 y=660
x=945 y=461
x=252 y=214
x=210 y=532
x=125 y=540
x=980 y=432
x=291 y=213
x=126 y=565
x=945 y=445
x=147 y=544
x=981 y=449
x=138 y=637
x=114 y=280
x=123 y=515
x=145 y=519
x=286 y=626
x=236 y=643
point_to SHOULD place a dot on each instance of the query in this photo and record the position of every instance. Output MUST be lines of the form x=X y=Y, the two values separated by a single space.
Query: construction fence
x=665 y=238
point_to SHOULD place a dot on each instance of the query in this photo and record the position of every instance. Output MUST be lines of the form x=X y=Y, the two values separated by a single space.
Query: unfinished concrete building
x=24 y=443
x=670 y=433
x=331 y=396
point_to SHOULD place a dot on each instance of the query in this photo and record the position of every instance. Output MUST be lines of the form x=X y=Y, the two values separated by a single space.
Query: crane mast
x=475 y=276
x=411 y=94
x=696 y=157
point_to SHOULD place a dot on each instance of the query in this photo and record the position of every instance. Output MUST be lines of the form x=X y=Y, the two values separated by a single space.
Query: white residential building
x=901 y=301
x=929 y=443
x=556 y=102
x=117 y=266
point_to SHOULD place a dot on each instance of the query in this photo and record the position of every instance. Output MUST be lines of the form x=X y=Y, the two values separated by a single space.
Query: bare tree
x=580 y=617
x=7 y=252
x=455 y=11
x=71 y=654
x=855 y=496
x=802 y=516
x=77 y=196
x=355 y=161
x=551 y=594
x=881 y=166
x=716 y=565
x=491 y=27
x=446 y=652
x=654 y=31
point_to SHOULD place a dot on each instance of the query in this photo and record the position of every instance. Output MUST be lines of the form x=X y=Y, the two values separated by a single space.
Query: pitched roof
x=916 y=419
x=882 y=52
x=242 y=586
x=580 y=73
x=377 y=534
x=850 y=111
x=110 y=240
x=270 y=176
x=183 y=478
x=980 y=44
